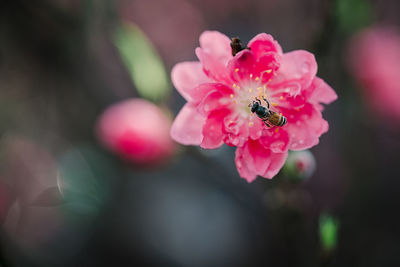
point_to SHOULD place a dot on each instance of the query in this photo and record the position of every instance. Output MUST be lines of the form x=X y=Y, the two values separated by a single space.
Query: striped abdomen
x=277 y=119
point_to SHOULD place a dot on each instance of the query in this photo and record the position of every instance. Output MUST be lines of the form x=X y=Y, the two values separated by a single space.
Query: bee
x=269 y=117
x=237 y=46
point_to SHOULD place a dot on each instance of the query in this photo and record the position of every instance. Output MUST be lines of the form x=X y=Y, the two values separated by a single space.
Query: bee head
x=254 y=107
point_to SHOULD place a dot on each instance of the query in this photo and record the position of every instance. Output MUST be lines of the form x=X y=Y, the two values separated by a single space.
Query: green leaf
x=142 y=61
x=328 y=227
x=352 y=15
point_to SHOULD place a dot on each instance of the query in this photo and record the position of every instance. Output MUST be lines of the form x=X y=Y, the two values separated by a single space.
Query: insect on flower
x=266 y=114
x=237 y=46
x=225 y=92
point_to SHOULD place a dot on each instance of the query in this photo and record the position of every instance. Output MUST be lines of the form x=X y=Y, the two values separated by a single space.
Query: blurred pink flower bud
x=137 y=130
x=375 y=62
x=300 y=165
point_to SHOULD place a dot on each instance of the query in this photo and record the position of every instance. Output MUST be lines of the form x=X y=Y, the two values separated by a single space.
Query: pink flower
x=219 y=88
x=137 y=130
x=375 y=62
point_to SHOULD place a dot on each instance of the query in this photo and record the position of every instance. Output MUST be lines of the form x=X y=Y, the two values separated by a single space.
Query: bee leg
x=266 y=101
x=258 y=100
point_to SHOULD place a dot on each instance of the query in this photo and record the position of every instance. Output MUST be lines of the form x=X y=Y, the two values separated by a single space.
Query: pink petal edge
x=188 y=126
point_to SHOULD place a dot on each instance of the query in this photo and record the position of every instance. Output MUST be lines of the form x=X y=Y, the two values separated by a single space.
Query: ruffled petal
x=256 y=126
x=305 y=126
x=253 y=159
x=235 y=132
x=212 y=130
x=263 y=43
x=213 y=67
x=238 y=130
x=214 y=100
x=245 y=66
x=297 y=67
x=188 y=126
x=266 y=66
x=186 y=76
x=198 y=93
x=277 y=162
x=242 y=66
x=321 y=92
x=217 y=45
x=276 y=139
x=214 y=53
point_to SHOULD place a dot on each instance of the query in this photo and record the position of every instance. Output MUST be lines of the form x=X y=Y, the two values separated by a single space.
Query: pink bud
x=136 y=130
x=375 y=63
x=300 y=164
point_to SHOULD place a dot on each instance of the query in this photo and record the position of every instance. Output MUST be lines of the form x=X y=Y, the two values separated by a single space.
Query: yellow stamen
x=276 y=130
x=251 y=124
x=234 y=85
x=237 y=70
x=231 y=95
x=238 y=87
x=274 y=104
x=268 y=71
x=251 y=75
x=281 y=97
x=234 y=101
x=257 y=78
x=250 y=90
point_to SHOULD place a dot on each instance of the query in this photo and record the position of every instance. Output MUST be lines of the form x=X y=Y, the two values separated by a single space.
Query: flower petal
x=296 y=67
x=256 y=127
x=188 y=126
x=242 y=66
x=321 y=92
x=235 y=130
x=186 y=76
x=305 y=126
x=253 y=159
x=212 y=130
x=263 y=43
x=200 y=92
x=213 y=67
x=217 y=45
x=277 y=162
x=276 y=139
x=266 y=66
x=213 y=101
x=214 y=53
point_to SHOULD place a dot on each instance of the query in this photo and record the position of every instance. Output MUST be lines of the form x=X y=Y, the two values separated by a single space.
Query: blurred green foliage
x=328 y=227
x=352 y=15
x=143 y=62
x=84 y=179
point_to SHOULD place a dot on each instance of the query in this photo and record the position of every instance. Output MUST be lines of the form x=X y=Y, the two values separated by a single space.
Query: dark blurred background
x=67 y=200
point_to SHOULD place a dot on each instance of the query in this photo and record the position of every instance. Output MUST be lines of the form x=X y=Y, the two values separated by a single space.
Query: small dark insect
x=269 y=117
x=237 y=46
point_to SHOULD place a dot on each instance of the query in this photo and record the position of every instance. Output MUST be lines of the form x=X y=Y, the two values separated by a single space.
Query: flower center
x=250 y=90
